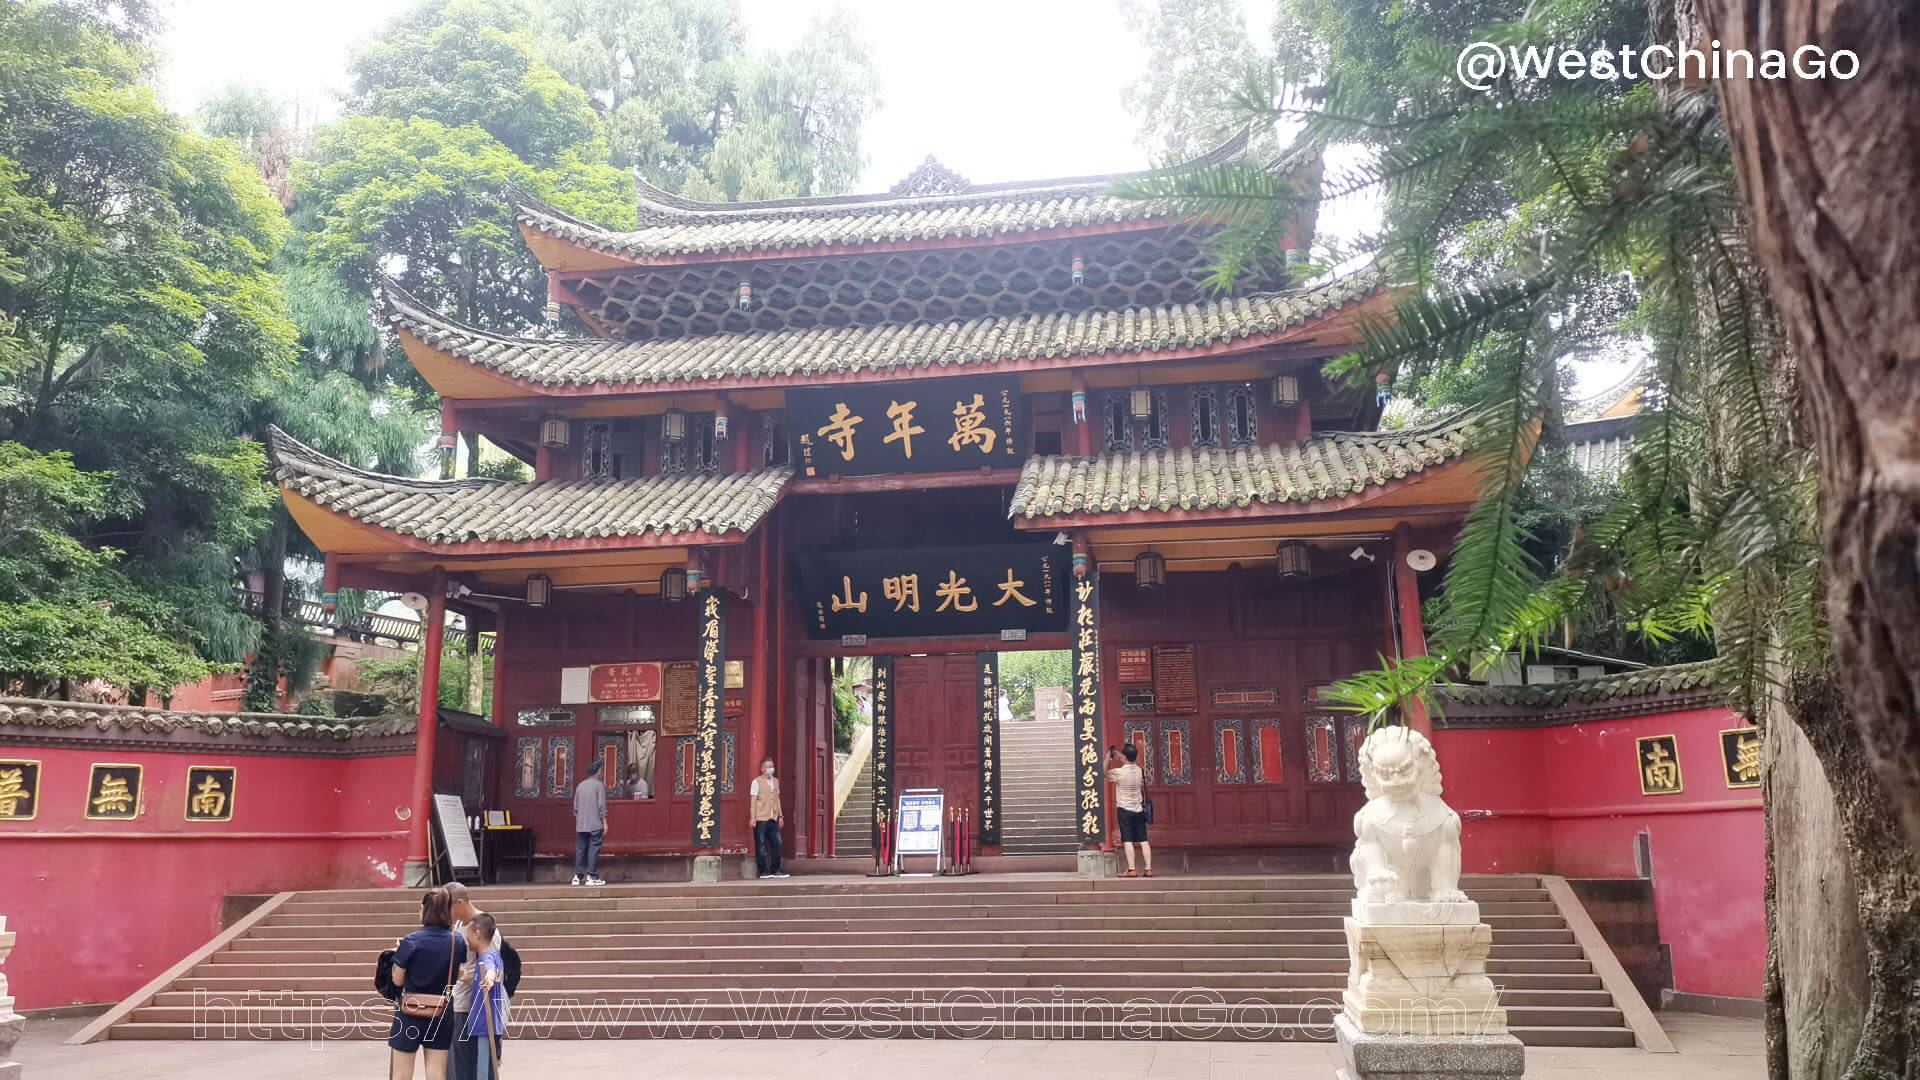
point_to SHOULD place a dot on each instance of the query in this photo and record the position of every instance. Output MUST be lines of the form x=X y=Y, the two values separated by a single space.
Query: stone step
x=1513 y=991
x=516 y=914
x=605 y=1023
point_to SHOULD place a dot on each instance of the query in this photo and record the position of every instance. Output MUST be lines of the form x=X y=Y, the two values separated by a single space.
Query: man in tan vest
x=767 y=819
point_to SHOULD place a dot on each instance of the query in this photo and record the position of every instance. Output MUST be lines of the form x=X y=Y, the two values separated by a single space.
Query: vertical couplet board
x=882 y=744
x=712 y=661
x=1088 y=786
x=988 y=827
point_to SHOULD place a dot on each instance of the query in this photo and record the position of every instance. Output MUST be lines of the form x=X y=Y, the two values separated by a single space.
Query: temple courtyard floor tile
x=1709 y=1048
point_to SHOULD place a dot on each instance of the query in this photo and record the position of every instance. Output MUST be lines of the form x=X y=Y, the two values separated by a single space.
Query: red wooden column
x=432 y=639
x=759 y=746
x=1413 y=635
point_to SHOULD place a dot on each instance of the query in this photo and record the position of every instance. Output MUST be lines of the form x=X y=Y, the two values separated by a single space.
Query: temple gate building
x=926 y=426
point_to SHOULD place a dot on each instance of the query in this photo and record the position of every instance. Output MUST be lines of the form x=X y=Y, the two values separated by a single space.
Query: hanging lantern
x=553 y=316
x=1383 y=388
x=745 y=300
x=1286 y=391
x=673 y=426
x=1142 y=403
x=1079 y=564
x=554 y=432
x=719 y=426
x=673 y=584
x=1150 y=570
x=449 y=454
x=539 y=590
x=1294 y=560
x=1079 y=406
x=1079 y=268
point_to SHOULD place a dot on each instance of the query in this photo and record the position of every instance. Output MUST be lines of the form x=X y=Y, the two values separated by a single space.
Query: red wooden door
x=935 y=744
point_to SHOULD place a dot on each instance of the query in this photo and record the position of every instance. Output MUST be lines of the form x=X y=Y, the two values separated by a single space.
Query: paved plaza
x=1710 y=1048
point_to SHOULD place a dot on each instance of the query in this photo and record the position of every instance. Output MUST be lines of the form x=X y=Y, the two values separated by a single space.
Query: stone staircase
x=853 y=829
x=1013 y=955
x=1036 y=788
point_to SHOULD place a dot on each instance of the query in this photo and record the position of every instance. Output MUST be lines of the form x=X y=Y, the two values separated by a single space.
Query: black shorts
x=411 y=1033
x=1133 y=826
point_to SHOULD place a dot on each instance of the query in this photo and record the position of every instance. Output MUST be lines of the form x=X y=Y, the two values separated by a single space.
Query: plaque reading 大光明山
x=934 y=592
x=939 y=425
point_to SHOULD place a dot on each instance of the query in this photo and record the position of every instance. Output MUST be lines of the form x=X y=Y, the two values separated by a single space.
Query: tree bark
x=1831 y=169
x=1854 y=938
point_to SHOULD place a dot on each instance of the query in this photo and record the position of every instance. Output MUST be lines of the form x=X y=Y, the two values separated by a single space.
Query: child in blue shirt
x=490 y=995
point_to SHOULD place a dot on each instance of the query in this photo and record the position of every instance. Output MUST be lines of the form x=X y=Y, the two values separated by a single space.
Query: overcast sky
x=997 y=89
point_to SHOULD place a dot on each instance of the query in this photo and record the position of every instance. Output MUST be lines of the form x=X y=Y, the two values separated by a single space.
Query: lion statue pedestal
x=1418 y=1001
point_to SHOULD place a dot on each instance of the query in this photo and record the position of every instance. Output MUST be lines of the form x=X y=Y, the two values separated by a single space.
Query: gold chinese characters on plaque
x=1659 y=765
x=1740 y=753
x=19 y=790
x=210 y=792
x=113 y=793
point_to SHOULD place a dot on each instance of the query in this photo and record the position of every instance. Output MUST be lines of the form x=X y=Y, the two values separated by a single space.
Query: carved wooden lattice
x=1121 y=271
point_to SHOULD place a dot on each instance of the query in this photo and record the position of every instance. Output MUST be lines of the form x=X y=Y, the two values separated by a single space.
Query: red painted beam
x=931 y=645
x=845 y=485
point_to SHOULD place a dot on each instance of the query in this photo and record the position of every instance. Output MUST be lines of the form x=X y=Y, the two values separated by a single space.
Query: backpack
x=383 y=977
x=509 y=966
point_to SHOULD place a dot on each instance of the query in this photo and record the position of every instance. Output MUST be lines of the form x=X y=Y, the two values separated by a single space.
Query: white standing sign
x=452 y=813
x=918 y=827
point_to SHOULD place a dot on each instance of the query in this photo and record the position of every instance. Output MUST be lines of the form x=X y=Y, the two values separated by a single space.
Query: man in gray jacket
x=589 y=826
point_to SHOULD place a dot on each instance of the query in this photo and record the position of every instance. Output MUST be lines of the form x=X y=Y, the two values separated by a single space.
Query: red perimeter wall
x=101 y=907
x=1566 y=800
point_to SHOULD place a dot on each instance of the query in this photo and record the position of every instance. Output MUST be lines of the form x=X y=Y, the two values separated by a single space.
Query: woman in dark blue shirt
x=424 y=964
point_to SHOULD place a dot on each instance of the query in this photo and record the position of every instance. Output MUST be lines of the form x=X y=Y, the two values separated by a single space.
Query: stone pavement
x=1710 y=1048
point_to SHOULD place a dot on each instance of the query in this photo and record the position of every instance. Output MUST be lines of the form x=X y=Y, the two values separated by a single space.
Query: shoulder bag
x=427 y=1006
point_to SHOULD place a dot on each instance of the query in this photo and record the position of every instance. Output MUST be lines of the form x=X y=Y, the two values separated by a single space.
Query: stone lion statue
x=1406 y=841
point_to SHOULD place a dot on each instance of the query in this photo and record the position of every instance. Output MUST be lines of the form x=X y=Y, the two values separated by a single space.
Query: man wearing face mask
x=767 y=819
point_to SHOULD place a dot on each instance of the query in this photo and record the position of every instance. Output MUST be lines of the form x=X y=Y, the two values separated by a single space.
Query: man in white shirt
x=764 y=795
x=463 y=1063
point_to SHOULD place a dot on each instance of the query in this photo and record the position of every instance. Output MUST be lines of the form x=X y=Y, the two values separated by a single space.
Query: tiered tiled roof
x=481 y=509
x=1676 y=679
x=670 y=225
x=66 y=716
x=888 y=348
x=1678 y=688
x=1329 y=465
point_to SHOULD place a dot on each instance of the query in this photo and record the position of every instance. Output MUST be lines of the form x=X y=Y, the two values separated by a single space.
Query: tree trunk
x=263 y=677
x=1831 y=169
x=1817 y=994
x=1844 y=974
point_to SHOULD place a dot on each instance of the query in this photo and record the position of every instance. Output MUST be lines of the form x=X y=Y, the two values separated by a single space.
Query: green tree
x=1545 y=218
x=1198 y=52
x=68 y=614
x=1021 y=673
x=144 y=319
x=684 y=103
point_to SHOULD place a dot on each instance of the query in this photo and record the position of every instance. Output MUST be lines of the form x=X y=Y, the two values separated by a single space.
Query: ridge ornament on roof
x=931 y=178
